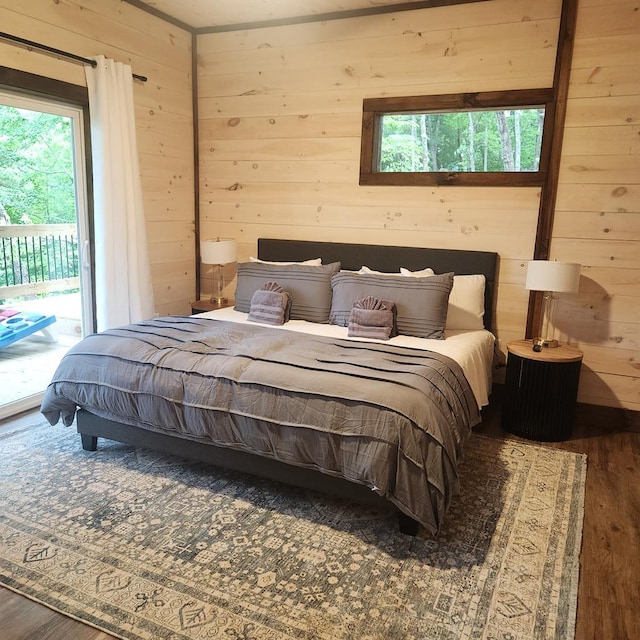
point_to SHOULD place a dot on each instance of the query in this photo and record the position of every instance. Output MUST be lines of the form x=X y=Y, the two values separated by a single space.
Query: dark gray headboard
x=387 y=258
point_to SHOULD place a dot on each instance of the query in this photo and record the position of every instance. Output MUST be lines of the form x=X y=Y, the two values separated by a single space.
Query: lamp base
x=218 y=300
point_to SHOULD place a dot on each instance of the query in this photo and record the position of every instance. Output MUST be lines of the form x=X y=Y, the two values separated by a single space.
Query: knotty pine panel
x=168 y=252
x=31 y=61
x=408 y=79
x=610 y=279
x=248 y=233
x=177 y=186
x=435 y=217
x=597 y=219
x=512 y=272
x=591 y=53
x=603 y=170
x=595 y=197
x=600 y=305
x=169 y=279
x=598 y=81
x=182 y=232
x=601 y=141
x=330 y=125
x=373 y=27
x=619 y=362
x=244 y=171
x=603 y=111
x=502 y=200
x=597 y=225
x=341 y=99
x=609 y=390
x=356 y=54
x=384 y=233
x=619 y=254
x=163 y=108
x=89 y=28
x=115 y=26
x=286 y=149
x=261 y=105
x=604 y=333
x=166 y=100
x=604 y=19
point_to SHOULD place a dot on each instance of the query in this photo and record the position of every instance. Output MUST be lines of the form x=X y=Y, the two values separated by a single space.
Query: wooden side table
x=540 y=391
x=200 y=306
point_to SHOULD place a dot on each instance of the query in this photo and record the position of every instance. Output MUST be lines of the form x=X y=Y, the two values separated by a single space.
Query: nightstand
x=540 y=391
x=200 y=306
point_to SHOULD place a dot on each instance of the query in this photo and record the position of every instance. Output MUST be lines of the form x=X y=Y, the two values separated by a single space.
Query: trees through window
x=500 y=140
x=36 y=167
x=490 y=138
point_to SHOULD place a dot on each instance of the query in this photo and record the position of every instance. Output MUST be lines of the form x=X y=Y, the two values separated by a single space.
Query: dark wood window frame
x=374 y=108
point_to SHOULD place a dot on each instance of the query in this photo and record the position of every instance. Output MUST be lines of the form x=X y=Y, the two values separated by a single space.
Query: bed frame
x=352 y=257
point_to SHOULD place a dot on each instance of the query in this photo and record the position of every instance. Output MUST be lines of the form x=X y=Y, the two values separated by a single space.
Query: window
x=493 y=139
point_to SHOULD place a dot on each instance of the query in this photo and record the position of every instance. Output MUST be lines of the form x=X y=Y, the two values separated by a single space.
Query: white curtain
x=123 y=286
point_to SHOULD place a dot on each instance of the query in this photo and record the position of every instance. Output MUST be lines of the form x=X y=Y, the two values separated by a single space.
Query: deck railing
x=38 y=259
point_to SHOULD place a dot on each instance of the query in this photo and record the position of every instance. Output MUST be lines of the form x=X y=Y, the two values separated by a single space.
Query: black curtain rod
x=58 y=52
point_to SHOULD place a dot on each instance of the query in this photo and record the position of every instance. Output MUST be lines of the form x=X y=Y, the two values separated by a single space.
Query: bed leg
x=89 y=443
x=407 y=524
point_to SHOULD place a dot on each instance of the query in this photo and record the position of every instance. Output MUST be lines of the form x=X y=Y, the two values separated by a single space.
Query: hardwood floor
x=609 y=590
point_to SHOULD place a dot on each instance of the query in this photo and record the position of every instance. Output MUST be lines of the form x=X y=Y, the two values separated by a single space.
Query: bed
x=375 y=421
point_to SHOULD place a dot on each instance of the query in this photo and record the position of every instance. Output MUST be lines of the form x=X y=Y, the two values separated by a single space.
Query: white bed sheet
x=472 y=350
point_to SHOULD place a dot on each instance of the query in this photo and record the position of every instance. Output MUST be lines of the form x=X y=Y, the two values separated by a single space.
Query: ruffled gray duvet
x=391 y=418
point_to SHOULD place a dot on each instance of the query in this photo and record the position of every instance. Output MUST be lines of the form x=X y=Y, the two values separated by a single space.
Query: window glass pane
x=504 y=140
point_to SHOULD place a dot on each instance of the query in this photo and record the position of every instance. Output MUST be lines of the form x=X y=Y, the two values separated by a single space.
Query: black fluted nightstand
x=540 y=391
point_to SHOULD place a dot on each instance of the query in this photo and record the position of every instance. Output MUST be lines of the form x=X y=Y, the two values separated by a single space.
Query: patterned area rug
x=146 y=546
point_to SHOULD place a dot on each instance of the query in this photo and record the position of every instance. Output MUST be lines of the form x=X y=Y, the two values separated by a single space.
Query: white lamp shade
x=548 y=275
x=218 y=251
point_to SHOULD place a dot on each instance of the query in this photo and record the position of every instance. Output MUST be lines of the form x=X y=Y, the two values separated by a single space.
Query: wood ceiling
x=206 y=16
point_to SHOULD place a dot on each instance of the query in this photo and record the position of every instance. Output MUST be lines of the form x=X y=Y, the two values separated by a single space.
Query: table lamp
x=218 y=252
x=552 y=277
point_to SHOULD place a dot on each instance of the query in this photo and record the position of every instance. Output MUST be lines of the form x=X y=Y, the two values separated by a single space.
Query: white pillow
x=466 y=301
x=417 y=274
x=364 y=269
x=313 y=261
x=424 y=272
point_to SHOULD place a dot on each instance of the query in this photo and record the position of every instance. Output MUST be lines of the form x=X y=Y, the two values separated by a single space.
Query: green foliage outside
x=505 y=140
x=36 y=188
x=36 y=167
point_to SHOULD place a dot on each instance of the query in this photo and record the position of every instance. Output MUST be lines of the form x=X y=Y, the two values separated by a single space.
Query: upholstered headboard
x=389 y=258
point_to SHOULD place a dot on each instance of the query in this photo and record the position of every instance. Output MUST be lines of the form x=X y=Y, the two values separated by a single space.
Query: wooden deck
x=26 y=367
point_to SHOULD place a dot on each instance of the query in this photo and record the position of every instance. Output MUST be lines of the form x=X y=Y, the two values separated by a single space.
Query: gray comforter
x=392 y=418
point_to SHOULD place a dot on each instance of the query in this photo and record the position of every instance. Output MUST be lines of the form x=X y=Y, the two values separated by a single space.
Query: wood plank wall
x=280 y=116
x=597 y=218
x=280 y=121
x=164 y=120
x=280 y=137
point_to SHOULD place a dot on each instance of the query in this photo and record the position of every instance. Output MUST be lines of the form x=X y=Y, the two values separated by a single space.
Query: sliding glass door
x=45 y=267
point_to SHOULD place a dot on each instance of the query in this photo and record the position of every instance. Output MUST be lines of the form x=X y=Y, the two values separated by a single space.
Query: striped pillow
x=308 y=285
x=421 y=303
